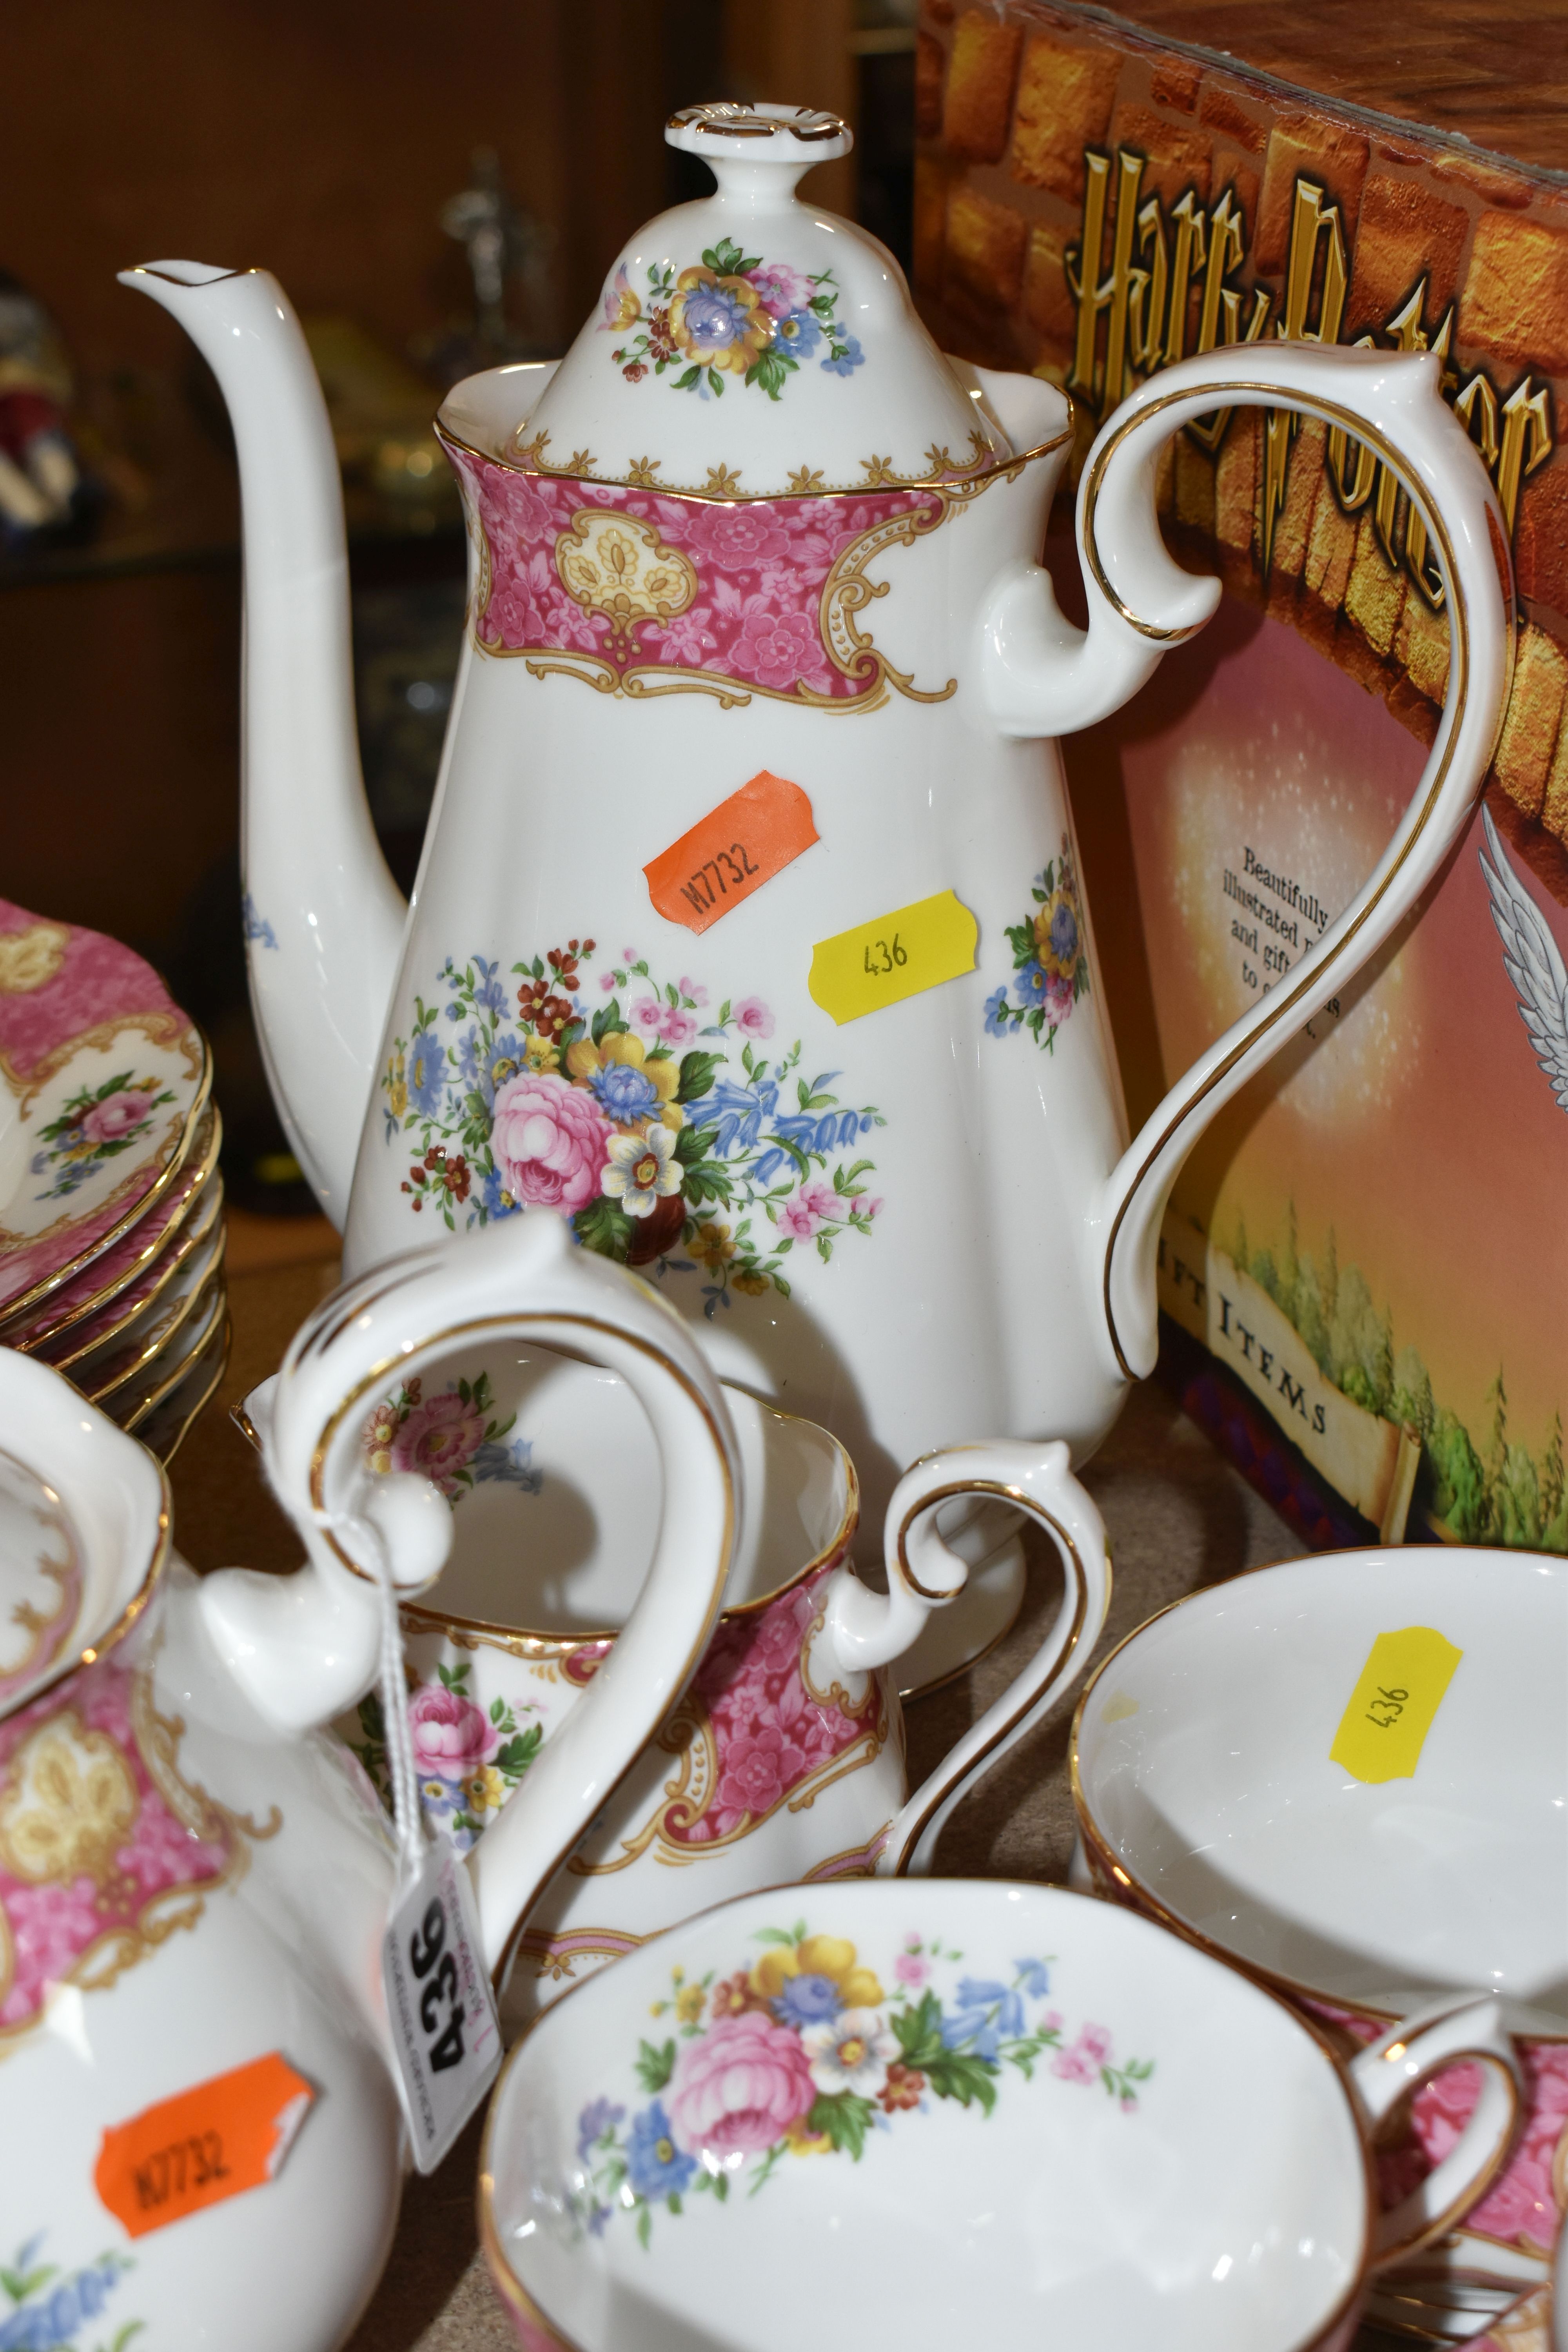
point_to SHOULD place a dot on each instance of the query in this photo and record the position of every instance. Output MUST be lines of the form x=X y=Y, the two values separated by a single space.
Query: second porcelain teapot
x=202 y=2132
x=748 y=935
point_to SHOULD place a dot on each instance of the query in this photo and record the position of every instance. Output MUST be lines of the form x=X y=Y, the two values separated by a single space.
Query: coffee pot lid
x=752 y=346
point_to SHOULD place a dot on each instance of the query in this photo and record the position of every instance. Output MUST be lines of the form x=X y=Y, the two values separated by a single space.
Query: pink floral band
x=644 y=592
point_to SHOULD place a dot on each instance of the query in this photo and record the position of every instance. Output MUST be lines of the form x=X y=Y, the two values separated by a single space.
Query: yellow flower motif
x=712 y=1247
x=801 y=2142
x=818 y=1955
x=1058 y=935
x=541 y=1053
x=720 y=322
x=485 y=1790
x=689 y=2004
x=397 y=1086
x=662 y=1071
x=753 y=1284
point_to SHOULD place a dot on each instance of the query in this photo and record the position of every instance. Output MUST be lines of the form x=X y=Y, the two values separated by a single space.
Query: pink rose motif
x=798 y=1219
x=779 y=650
x=758 y=1771
x=737 y=539
x=676 y=1027
x=740 y=2088
x=440 y=1437
x=452 y=1738
x=782 y=289
x=115 y=1116
x=689 y=987
x=751 y=1017
x=647 y=1015
x=1522 y=2205
x=909 y=1970
x=550 y=1141
x=1082 y=2062
x=821 y=1199
x=1058 y=1000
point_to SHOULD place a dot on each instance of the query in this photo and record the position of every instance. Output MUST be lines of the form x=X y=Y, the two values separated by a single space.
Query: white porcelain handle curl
x=1044 y=677
x=862 y=1629
x=1448 y=2034
x=305 y=1646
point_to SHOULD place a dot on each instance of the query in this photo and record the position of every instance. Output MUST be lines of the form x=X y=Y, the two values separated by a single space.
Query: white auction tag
x=439 y=2000
x=445 y=2037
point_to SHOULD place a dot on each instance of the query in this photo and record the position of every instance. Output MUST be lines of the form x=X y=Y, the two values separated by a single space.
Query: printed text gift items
x=750 y=938
x=203 y=2134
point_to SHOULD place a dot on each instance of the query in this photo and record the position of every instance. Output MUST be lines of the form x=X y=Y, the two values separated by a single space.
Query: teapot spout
x=323 y=917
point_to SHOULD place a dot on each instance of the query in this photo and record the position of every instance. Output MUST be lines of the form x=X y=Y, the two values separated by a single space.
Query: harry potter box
x=1375 y=1242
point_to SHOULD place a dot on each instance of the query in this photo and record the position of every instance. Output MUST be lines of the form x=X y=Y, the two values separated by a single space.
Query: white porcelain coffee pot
x=202 y=2132
x=747 y=933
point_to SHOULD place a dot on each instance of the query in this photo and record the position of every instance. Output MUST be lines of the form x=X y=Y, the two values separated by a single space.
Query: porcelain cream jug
x=749 y=933
x=201 y=2134
x=784 y=1759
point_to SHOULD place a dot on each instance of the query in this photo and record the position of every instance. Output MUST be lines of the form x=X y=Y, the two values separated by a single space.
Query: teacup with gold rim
x=1349 y=1775
x=950 y=2112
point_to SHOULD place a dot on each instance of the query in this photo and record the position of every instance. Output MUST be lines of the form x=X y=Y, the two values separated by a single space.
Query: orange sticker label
x=192 y=2151
x=731 y=852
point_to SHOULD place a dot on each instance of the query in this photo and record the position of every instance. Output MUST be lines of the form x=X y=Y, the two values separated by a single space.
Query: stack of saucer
x=112 y=1234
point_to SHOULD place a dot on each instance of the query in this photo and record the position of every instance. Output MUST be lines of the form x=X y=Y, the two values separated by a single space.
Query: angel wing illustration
x=1532 y=961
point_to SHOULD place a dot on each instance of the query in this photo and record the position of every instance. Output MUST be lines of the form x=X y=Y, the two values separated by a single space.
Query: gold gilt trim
x=943 y=472
x=139 y=1355
x=211 y=1307
x=846 y=591
x=169 y=1029
x=138 y=1205
x=182 y=1240
x=36 y=1333
x=160 y=1441
x=1312 y=976
x=688 y=1734
x=1064 y=1538
x=513 y=1325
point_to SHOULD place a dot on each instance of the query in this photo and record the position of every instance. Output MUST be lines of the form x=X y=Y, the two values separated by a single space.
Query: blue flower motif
x=512 y=1466
x=1034 y=1977
x=1064 y=935
x=624 y=1092
x=971 y=2031
x=799 y=334
x=1032 y=983
x=256 y=928
x=654 y=2165
x=844 y=357
x=997 y=1013
x=823 y=1131
x=491 y=1191
x=488 y=992
x=806 y=2000
x=47 y=2325
x=738 y=1112
x=714 y=318
x=596 y=2118
x=427 y=1073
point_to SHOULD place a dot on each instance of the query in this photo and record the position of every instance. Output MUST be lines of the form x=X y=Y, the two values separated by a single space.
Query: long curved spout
x=323 y=917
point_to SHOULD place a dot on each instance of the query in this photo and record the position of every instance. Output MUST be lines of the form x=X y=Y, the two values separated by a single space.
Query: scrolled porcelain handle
x=304 y=1647
x=862 y=1629
x=1043 y=678
x=1389 y=2072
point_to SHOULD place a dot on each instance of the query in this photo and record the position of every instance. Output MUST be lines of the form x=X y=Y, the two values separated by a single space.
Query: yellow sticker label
x=895 y=956
x=1394 y=1705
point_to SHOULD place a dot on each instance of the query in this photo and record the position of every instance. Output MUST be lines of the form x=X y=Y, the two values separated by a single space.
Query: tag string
x=365 y=1541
